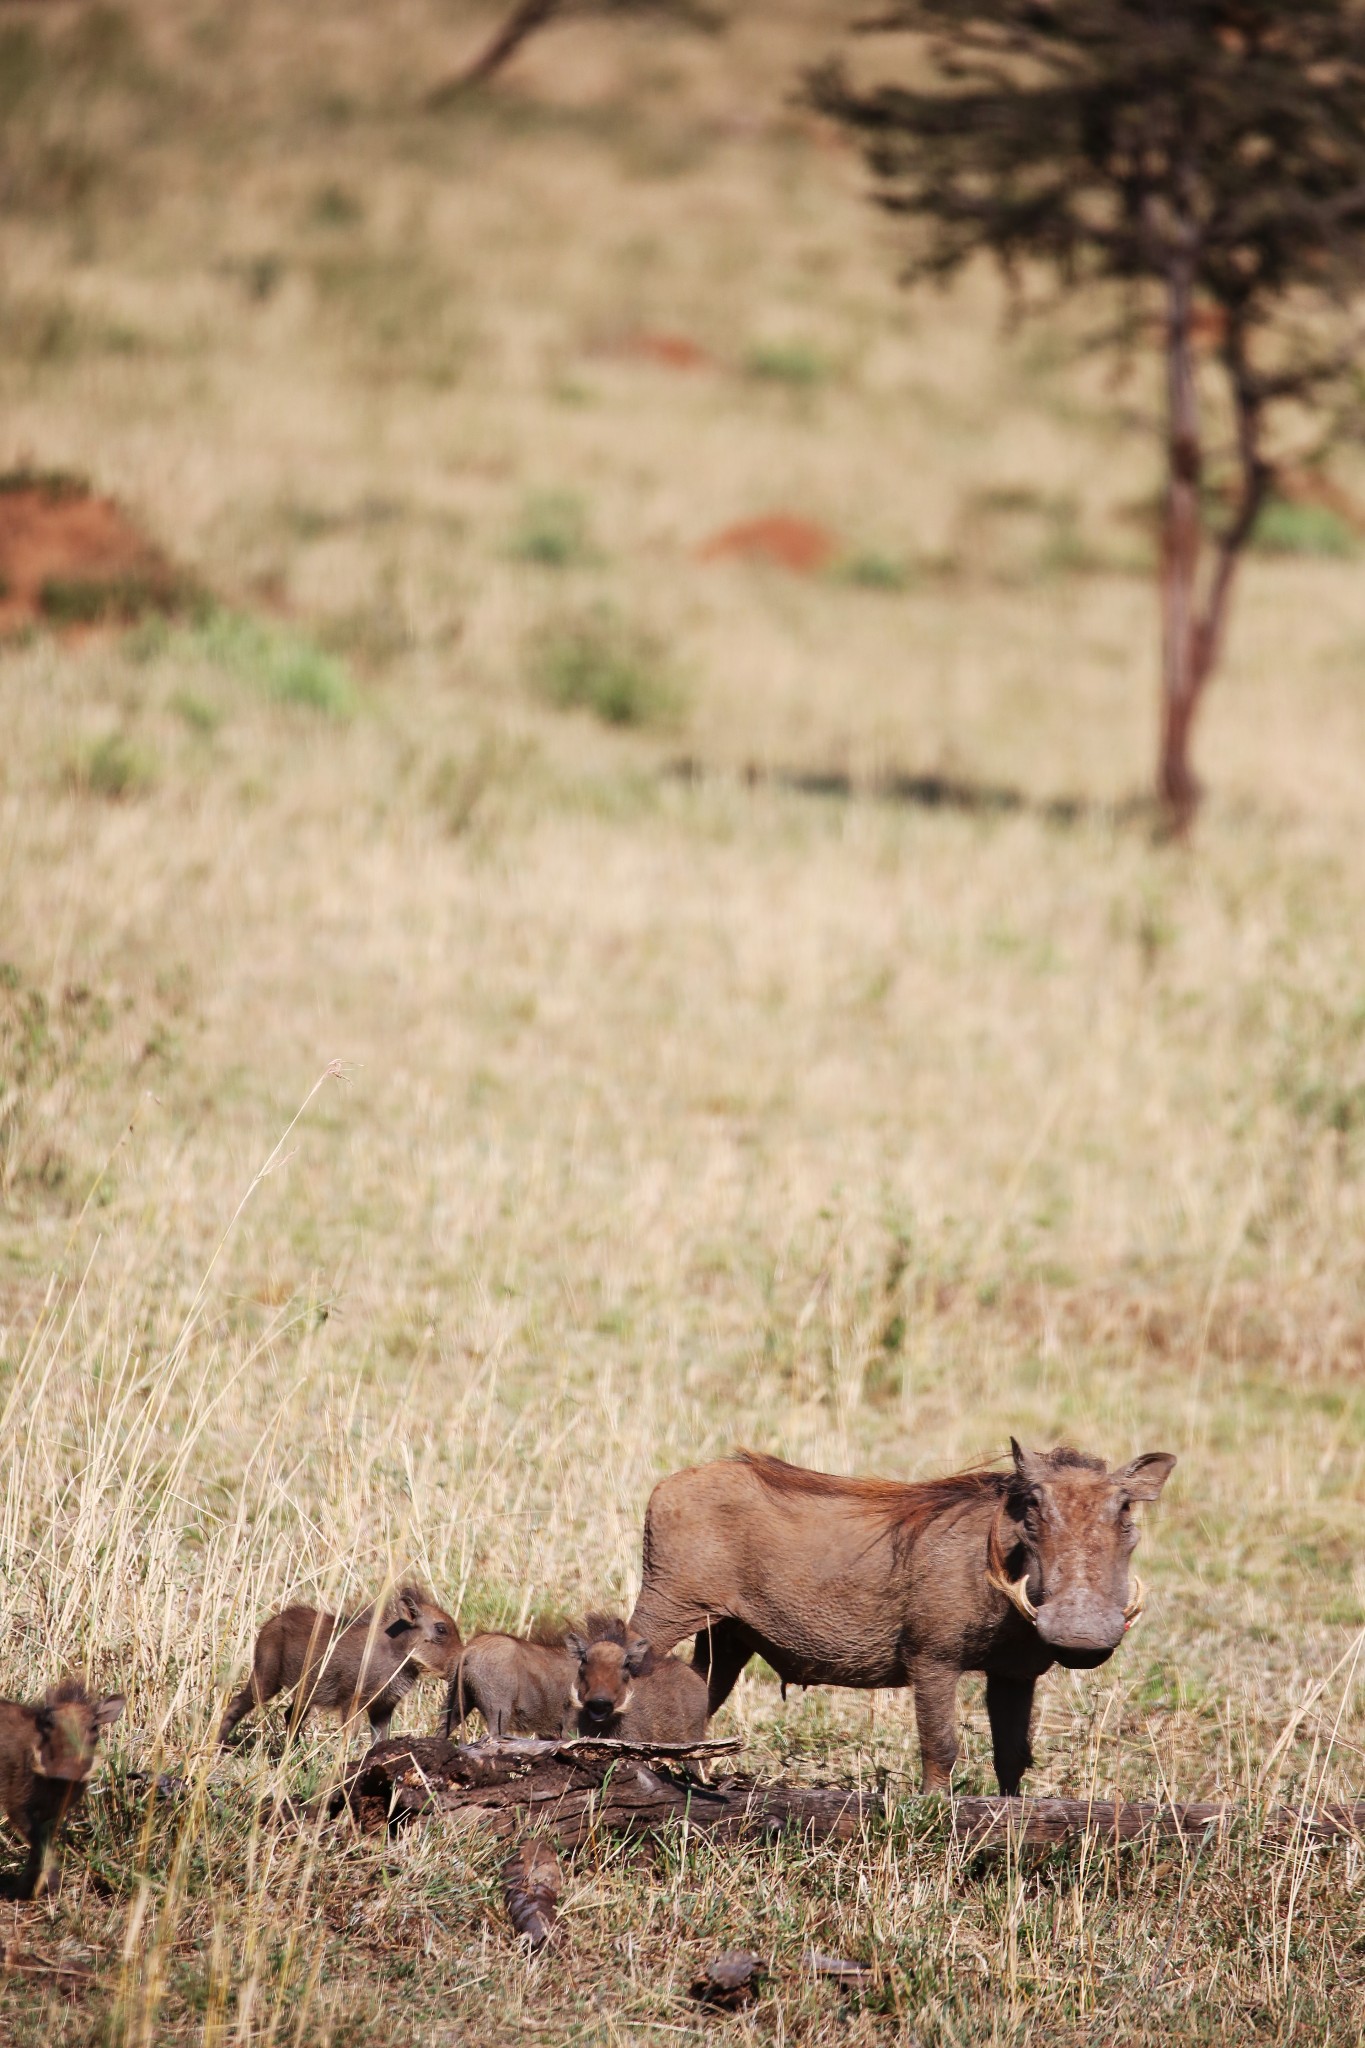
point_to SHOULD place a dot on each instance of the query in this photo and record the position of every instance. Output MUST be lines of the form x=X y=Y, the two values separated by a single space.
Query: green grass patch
x=107 y=601
x=53 y=483
x=795 y=363
x=552 y=531
x=197 y=712
x=115 y=768
x=284 y=664
x=874 y=571
x=1284 y=528
x=601 y=663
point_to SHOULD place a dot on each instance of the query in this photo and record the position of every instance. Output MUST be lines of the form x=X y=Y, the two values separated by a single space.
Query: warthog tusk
x=1014 y=1590
x=1136 y=1604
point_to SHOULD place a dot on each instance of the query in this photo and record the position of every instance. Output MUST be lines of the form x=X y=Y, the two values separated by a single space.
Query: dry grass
x=678 y=1110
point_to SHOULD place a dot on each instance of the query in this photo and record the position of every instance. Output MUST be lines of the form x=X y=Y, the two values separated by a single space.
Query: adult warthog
x=871 y=1582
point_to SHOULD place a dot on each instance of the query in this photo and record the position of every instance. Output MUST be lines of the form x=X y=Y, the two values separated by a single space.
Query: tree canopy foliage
x=1212 y=150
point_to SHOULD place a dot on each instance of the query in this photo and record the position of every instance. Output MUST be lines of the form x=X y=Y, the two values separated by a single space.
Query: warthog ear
x=1146 y=1476
x=1029 y=1466
x=108 y=1710
x=637 y=1653
x=576 y=1645
x=408 y=1606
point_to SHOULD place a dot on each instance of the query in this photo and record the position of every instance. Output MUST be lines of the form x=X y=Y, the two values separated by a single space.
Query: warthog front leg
x=1009 y=1706
x=935 y=1690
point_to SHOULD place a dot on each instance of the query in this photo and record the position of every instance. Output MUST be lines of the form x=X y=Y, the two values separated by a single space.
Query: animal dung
x=729 y=1980
x=531 y=1884
x=837 y=1968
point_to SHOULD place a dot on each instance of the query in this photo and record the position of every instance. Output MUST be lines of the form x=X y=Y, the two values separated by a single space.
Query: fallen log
x=571 y=1789
x=1045 y=1823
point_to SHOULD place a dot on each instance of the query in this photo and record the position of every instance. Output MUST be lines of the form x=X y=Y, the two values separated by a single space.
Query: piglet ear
x=1144 y=1478
x=408 y=1606
x=109 y=1710
x=1018 y=1453
x=637 y=1654
x=576 y=1645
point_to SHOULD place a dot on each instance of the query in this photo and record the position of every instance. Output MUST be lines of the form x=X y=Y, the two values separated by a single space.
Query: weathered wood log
x=1042 y=1823
x=571 y=1789
x=531 y=1884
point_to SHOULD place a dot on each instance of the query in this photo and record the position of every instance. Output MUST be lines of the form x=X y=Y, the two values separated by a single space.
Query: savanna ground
x=698 y=1087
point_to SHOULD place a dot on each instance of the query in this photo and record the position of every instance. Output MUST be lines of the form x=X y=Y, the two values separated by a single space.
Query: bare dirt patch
x=801 y=545
x=71 y=559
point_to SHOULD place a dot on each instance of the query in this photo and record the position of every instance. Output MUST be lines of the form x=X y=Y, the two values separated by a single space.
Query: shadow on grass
x=932 y=792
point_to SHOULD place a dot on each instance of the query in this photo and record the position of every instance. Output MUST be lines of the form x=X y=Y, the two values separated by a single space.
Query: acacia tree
x=526 y=17
x=1209 y=153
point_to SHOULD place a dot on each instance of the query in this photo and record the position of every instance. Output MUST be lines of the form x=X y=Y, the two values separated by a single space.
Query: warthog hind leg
x=720 y=1655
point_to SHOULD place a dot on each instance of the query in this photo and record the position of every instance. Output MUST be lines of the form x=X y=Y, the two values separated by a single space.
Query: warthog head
x=66 y=1731
x=1060 y=1546
x=609 y=1660
x=425 y=1631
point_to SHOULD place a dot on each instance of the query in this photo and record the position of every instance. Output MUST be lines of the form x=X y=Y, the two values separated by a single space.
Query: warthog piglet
x=46 y=1754
x=362 y=1666
x=520 y=1685
x=621 y=1689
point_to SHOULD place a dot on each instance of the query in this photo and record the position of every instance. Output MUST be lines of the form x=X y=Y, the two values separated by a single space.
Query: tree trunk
x=522 y=22
x=1184 y=671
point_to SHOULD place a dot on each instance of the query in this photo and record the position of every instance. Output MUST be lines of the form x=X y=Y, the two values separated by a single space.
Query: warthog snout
x=609 y=1661
x=1081 y=1631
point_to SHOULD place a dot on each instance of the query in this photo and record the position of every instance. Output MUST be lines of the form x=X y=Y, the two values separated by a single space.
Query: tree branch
x=1257 y=476
x=522 y=22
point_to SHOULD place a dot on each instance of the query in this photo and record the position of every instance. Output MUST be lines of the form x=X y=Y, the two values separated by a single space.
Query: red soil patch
x=673 y=351
x=780 y=537
x=70 y=559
